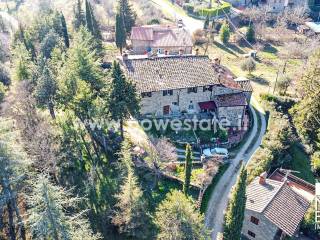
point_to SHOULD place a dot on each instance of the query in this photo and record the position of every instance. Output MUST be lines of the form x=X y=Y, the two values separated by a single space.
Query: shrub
x=315 y=162
x=154 y=21
x=2 y=92
x=225 y=32
x=188 y=7
x=248 y=65
x=283 y=84
x=199 y=37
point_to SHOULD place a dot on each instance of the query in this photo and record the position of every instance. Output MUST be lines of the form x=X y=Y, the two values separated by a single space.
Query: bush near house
x=202 y=11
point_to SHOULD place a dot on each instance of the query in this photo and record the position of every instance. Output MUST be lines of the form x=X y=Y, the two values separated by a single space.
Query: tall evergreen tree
x=131 y=216
x=187 y=169
x=46 y=89
x=22 y=63
x=123 y=99
x=79 y=17
x=177 y=218
x=250 y=34
x=89 y=15
x=206 y=23
x=48 y=217
x=120 y=33
x=235 y=213
x=65 y=30
x=225 y=33
x=128 y=15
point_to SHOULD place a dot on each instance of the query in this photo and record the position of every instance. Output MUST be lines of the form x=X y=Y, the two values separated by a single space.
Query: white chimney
x=262 y=178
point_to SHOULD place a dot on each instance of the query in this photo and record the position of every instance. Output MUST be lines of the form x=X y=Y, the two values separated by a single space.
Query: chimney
x=180 y=52
x=166 y=52
x=217 y=61
x=262 y=178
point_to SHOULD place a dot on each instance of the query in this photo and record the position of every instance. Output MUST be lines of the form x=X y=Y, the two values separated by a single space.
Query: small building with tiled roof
x=274 y=207
x=161 y=39
x=185 y=85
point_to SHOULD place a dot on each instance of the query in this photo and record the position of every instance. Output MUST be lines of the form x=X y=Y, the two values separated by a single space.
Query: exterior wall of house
x=280 y=5
x=140 y=47
x=234 y=115
x=155 y=104
x=265 y=230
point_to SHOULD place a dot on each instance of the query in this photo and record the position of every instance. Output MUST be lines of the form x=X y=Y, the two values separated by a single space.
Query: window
x=192 y=90
x=167 y=92
x=207 y=88
x=251 y=234
x=254 y=220
x=146 y=94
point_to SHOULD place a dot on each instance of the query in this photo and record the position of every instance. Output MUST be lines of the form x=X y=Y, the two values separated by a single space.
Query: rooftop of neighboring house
x=166 y=72
x=278 y=199
x=162 y=36
x=230 y=100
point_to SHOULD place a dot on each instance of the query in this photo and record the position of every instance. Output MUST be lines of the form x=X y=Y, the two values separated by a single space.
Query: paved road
x=190 y=23
x=219 y=198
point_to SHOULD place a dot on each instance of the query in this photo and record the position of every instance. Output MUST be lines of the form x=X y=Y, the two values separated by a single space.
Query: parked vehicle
x=221 y=152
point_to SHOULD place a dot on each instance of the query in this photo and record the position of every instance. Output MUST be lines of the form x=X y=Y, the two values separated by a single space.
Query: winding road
x=214 y=216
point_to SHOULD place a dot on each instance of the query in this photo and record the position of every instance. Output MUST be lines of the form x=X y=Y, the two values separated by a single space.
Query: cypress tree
x=120 y=33
x=89 y=23
x=235 y=213
x=65 y=30
x=129 y=16
x=79 y=18
x=225 y=32
x=206 y=23
x=187 y=169
x=250 y=35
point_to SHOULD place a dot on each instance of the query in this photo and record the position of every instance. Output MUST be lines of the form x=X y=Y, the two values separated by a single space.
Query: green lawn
x=301 y=163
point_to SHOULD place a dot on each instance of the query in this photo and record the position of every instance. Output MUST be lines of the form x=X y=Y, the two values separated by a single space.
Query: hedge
x=213 y=12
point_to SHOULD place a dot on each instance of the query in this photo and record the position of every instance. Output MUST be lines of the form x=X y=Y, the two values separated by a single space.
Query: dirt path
x=190 y=23
x=219 y=198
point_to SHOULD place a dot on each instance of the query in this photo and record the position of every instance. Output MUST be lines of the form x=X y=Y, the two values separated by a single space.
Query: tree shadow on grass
x=270 y=49
x=235 y=48
x=224 y=48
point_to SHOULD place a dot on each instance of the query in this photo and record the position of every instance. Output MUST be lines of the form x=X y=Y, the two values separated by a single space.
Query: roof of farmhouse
x=153 y=74
x=162 y=36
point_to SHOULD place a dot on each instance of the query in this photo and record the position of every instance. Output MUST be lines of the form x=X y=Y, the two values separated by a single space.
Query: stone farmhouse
x=276 y=206
x=161 y=39
x=187 y=85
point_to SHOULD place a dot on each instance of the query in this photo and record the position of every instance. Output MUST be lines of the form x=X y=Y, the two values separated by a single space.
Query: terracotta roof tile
x=230 y=100
x=287 y=210
x=170 y=72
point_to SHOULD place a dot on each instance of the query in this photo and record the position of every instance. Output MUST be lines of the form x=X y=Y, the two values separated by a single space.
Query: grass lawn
x=210 y=189
x=267 y=65
x=301 y=163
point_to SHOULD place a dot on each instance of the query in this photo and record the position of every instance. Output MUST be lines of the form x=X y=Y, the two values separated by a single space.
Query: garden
x=203 y=8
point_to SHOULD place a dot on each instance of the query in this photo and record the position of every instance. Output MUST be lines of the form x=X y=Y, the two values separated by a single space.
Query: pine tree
x=177 y=218
x=48 y=217
x=46 y=89
x=65 y=30
x=123 y=99
x=225 y=33
x=187 y=169
x=128 y=15
x=79 y=18
x=235 y=213
x=250 y=35
x=22 y=63
x=120 y=33
x=131 y=216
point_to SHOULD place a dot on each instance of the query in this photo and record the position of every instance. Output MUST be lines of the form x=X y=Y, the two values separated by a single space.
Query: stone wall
x=265 y=230
x=154 y=105
x=234 y=115
x=140 y=47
